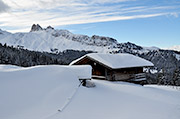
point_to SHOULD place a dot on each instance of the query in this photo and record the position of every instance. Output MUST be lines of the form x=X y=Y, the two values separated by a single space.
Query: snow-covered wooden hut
x=115 y=67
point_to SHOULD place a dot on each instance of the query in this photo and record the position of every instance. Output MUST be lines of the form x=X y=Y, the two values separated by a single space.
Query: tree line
x=25 y=58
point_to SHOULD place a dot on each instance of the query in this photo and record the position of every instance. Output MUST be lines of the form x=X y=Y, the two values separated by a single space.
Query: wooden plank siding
x=123 y=74
x=97 y=69
x=101 y=70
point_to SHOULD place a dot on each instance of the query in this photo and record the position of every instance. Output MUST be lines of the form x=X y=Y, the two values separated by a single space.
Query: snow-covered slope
x=9 y=67
x=39 y=92
x=36 y=92
x=177 y=56
x=49 y=40
x=52 y=40
x=176 y=47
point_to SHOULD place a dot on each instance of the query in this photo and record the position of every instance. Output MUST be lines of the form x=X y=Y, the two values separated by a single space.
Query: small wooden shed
x=115 y=67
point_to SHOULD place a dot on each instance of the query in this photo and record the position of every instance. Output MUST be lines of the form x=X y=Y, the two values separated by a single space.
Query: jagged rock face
x=36 y=28
x=94 y=40
x=128 y=45
x=105 y=40
x=49 y=27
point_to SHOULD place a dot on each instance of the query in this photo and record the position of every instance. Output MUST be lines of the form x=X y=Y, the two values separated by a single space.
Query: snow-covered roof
x=117 y=61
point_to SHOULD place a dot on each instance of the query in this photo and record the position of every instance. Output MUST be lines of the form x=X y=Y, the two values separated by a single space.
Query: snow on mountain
x=177 y=56
x=51 y=40
x=176 y=48
x=147 y=49
x=4 y=34
x=39 y=92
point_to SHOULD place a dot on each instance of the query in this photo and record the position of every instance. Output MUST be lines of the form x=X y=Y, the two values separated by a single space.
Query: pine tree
x=176 y=77
x=162 y=78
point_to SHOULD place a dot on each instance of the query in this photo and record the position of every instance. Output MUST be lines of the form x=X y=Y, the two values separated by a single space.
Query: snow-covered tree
x=176 y=77
x=162 y=78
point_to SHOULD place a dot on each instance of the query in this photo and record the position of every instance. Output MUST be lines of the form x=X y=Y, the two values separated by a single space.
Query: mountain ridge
x=175 y=47
x=50 y=40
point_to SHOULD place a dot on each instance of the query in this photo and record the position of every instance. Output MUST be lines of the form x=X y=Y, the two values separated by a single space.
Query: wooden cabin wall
x=112 y=75
x=123 y=74
x=97 y=69
x=134 y=70
x=121 y=77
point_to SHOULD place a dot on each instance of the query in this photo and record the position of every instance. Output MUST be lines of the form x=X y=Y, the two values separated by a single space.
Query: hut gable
x=116 y=61
x=113 y=67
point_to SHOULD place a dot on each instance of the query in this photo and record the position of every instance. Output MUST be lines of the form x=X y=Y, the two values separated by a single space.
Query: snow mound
x=39 y=92
x=82 y=71
x=9 y=67
x=114 y=100
x=36 y=92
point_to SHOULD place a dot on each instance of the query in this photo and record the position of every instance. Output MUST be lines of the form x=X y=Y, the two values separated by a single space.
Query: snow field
x=36 y=92
x=39 y=92
x=119 y=100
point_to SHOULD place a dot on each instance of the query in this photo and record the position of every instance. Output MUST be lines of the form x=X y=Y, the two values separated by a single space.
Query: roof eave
x=100 y=62
x=131 y=67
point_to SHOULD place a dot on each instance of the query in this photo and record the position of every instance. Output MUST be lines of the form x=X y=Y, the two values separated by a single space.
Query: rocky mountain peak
x=36 y=28
x=49 y=27
x=104 y=38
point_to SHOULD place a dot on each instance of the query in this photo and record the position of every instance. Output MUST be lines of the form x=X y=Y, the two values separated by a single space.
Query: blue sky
x=160 y=31
x=143 y=22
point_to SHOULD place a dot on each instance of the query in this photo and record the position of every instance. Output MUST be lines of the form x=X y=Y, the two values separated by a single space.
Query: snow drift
x=36 y=92
x=39 y=92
